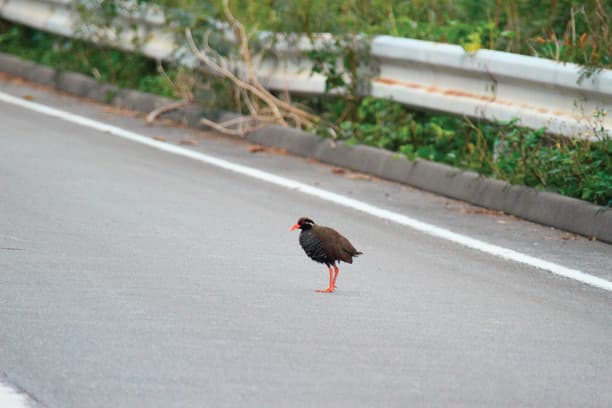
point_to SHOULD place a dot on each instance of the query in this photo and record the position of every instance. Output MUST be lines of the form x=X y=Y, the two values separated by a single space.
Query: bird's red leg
x=331 y=283
x=336 y=271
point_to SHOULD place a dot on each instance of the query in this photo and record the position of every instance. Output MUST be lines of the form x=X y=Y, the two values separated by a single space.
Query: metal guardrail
x=61 y=17
x=488 y=84
x=492 y=85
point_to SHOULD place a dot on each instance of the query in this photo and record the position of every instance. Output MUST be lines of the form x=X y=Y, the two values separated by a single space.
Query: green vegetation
x=564 y=30
x=560 y=29
x=573 y=167
x=108 y=65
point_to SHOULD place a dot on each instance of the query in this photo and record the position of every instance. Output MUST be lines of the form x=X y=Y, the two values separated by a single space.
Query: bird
x=325 y=245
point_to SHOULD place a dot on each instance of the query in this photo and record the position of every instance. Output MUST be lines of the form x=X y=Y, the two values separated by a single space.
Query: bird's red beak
x=294 y=227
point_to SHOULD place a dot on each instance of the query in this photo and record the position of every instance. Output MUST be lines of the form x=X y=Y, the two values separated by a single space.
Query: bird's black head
x=303 y=223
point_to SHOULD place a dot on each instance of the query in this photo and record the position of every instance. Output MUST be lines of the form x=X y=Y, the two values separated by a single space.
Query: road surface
x=131 y=277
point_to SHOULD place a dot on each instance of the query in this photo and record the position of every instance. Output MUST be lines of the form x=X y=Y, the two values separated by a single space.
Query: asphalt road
x=130 y=277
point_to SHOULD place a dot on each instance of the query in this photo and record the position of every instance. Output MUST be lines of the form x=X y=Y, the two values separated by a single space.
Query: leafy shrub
x=573 y=167
x=123 y=69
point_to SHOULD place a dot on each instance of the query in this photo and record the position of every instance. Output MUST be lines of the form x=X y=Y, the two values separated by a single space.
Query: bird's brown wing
x=335 y=245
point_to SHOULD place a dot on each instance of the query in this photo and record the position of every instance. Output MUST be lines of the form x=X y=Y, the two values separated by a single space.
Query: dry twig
x=182 y=90
x=250 y=92
x=163 y=109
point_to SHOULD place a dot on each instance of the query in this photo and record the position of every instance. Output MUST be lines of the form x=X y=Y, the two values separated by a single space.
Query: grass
x=565 y=30
x=574 y=167
x=105 y=64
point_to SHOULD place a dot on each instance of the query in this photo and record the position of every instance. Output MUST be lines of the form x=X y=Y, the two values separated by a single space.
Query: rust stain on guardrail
x=484 y=98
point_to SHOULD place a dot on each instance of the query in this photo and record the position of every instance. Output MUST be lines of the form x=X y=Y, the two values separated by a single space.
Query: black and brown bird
x=325 y=245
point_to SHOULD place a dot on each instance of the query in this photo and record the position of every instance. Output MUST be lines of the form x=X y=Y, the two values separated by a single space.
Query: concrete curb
x=545 y=208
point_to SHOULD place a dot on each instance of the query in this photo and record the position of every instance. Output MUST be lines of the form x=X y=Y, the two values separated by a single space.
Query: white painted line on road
x=339 y=199
x=11 y=398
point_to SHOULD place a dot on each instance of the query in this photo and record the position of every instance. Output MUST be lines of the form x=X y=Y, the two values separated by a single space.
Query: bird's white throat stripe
x=11 y=398
x=339 y=199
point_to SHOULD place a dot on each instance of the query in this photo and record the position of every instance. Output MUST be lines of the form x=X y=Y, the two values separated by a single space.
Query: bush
x=573 y=167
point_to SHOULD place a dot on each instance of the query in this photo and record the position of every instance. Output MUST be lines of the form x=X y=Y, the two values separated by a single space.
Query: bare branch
x=251 y=75
x=248 y=102
x=163 y=109
x=240 y=120
x=263 y=106
x=229 y=75
x=224 y=130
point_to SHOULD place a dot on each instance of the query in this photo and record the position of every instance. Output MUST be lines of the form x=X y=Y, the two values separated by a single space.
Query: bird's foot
x=328 y=290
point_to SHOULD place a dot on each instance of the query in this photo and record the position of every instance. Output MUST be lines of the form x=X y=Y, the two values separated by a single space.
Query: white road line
x=11 y=398
x=339 y=199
